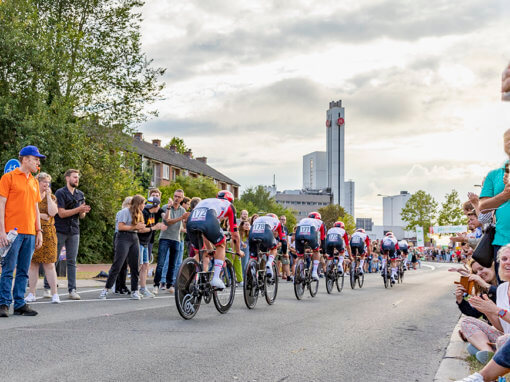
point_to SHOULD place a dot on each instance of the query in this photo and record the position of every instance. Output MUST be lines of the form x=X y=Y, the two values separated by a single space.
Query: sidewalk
x=454 y=366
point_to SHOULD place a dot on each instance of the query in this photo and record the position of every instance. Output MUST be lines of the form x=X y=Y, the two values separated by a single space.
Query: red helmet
x=360 y=230
x=315 y=215
x=272 y=215
x=227 y=195
x=339 y=224
x=389 y=233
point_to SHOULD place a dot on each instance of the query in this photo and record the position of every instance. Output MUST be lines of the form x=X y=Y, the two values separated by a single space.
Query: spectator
x=193 y=203
x=19 y=198
x=495 y=193
x=120 y=283
x=144 y=237
x=184 y=204
x=169 y=239
x=243 y=217
x=127 y=224
x=71 y=208
x=283 y=253
x=244 y=233
x=47 y=254
x=253 y=218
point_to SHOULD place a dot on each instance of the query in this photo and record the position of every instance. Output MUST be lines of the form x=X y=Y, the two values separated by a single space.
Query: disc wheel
x=330 y=278
x=223 y=299
x=271 y=286
x=186 y=298
x=299 y=279
x=340 y=280
x=250 y=287
x=352 y=275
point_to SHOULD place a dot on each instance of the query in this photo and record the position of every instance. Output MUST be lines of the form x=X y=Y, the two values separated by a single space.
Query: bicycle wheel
x=385 y=277
x=271 y=286
x=250 y=287
x=223 y=299
x=361 y=279
x=340 y=281
x=187 y=298
x=330 y=278
x=299 y=279
x=389 y=277
x=313 y=285
x=402 y=271
x=352 y=274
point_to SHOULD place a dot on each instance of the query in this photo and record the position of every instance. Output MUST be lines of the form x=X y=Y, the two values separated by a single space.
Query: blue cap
x=31 y=150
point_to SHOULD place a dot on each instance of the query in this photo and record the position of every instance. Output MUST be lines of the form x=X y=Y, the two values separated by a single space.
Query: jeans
x=178 y=261
x=164 y=272
x=496 y=264
x=246 y=258
x=18 y=257
x=167 y=249
x=502 y=356
x=72 y=242
x=126 y=246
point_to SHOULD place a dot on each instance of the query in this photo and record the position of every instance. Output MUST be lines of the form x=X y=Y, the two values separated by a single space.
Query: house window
x=166 y=171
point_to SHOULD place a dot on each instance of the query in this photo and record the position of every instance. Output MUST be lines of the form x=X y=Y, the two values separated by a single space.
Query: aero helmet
x=227 y=195
x=339 y=225
x=315 y=215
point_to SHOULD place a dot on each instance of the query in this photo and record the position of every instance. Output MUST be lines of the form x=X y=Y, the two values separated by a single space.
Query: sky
x=248 y=85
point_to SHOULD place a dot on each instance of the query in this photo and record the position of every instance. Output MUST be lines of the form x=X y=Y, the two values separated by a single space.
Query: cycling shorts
x=262 y=232
x=392 y=254
x=306 y=234
x=332 y=245
x=358 y=249
x=204 y=221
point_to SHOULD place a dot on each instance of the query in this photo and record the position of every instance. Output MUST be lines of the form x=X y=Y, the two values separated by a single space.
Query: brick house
x=166 y=165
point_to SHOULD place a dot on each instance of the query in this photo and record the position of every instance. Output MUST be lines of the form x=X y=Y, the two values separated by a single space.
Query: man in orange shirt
x=19 y=198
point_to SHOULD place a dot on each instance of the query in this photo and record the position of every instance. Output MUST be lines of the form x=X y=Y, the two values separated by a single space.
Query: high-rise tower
x=335 y=132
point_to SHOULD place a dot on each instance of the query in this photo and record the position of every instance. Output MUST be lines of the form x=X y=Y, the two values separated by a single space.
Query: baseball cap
x=31 y=150
x=153 y=201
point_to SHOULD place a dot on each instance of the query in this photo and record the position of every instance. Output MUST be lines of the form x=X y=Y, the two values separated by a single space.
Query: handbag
x=484 y=252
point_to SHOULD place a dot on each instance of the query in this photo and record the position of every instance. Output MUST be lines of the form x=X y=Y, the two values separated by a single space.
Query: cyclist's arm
x=347 y=244
x=369 y=249
x=235 y=240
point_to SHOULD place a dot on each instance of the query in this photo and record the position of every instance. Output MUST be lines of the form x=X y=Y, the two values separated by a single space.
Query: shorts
x=358 y=249
x=144 y=254
x=304 y=235
x=283 y=248
x=204 y=221
x=261 y=238
x=332 y=245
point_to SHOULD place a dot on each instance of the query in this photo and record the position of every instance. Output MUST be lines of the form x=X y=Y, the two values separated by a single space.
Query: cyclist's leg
x=270 y=259
x=384 y=261
x=393 y=264
x=316 y=260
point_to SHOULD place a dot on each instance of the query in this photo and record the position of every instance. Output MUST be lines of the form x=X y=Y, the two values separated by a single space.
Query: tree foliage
x=333 y=213
x=420 y=211
x=256 y=200
x=201 y=187
x=179 y=145
x=73 y=80
x=451 y=210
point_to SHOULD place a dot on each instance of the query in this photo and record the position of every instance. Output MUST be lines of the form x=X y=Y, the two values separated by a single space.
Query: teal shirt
x=493 y=186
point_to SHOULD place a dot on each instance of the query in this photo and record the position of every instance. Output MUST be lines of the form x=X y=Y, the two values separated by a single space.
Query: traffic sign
x=11 y=165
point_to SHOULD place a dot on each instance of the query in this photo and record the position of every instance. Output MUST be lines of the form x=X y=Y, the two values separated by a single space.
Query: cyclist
x=266 y=228
x=389 y=247
x=360 y=244
x=338 y=239
x=205 y=220
x=311 y=229
x=404 y=251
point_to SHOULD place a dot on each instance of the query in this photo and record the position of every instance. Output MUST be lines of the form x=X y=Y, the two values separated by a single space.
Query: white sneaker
x=30 y=298
x=171 y=290
x=55 y=299
x=476 y=377
x=315 y=276
x=103 y=294
x=47 y=293
x=135 y=295
x=73 y=295
x=217 y=283
x=145 y=293
x=155 y=290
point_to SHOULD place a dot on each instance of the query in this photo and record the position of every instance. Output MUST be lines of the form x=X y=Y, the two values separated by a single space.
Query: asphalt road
x=373 y=334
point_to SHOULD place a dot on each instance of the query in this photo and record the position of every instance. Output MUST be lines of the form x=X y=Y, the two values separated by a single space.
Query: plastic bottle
x=11 y=236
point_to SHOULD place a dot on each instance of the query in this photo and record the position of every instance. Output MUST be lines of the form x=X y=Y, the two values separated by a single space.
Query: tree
x=333 y=213
x=179 y=145
x=451 y=210
x=258 y=201
x=201 y=187
x=74 y=82
x=420 y=211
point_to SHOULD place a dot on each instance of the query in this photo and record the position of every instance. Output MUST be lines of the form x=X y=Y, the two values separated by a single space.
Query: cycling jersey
x=311 y=231
x=403 y=246
x=273 y=224
x=318 y=224
x=335 y=239
x=390 y=244
x=223 y=208
x=359 y=243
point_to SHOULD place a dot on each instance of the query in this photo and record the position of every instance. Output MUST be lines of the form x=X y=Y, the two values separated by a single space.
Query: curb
x=453 y=365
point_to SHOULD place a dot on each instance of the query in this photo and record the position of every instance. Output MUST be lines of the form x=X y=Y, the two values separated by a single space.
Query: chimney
x=173 y=148
x=189 y=154
x=202 y=159
x=156 y=142
x=139 y=136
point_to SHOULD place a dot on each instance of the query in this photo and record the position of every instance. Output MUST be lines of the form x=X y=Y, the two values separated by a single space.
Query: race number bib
x=356 y=240
x=199 y=214
x=259 y=228
x=305 y=230
x=333 y=237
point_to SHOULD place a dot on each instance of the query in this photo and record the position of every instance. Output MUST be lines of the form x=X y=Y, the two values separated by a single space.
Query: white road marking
x=430 y=266
x=397 y=302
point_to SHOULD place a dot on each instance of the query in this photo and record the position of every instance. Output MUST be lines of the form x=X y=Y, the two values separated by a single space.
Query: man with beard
x=71 y=208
